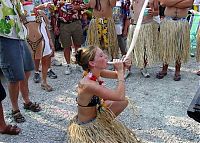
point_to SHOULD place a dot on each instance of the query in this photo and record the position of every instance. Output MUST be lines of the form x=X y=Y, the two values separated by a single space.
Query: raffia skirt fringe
x=198 y=47
x=174 y=41
x=146 y=44
x=104 y=129
x=94 y=39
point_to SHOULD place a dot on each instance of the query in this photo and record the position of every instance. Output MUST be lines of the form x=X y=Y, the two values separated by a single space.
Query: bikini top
x=95 y=100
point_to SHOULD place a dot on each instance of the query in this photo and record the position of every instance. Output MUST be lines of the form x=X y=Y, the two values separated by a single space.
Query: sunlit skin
x=114 y=98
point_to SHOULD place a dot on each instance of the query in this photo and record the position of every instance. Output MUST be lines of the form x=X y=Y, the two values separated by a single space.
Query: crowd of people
x=98 y=31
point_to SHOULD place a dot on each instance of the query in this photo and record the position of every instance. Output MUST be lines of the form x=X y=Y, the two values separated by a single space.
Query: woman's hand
x=118 y=64
x=127 y=62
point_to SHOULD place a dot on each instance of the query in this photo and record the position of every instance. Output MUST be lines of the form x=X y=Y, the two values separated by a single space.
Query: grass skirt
x=146 y=44
x=108 y=34
x=174 y=41
x=104 y=129
x=198 y=47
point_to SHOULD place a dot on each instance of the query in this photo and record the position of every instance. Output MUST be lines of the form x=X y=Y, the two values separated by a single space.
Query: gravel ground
x=160 y=116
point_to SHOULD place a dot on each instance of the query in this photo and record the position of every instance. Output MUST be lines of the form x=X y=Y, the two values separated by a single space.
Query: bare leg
x=67 y=54
x=117 y=106
x=178 y=67
x=163 y=72
x=23 y=85
x=37 y=64
x=2 y=120
x=177 y=75
x=46 y=61
x=13 y=88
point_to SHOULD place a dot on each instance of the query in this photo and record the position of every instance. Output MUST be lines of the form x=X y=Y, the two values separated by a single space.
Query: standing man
x=174 y=36
x=69 y=26
x=15 y=57
x=145 y=48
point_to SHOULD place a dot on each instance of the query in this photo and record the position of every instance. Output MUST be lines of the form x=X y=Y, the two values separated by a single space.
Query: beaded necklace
x=94 y=78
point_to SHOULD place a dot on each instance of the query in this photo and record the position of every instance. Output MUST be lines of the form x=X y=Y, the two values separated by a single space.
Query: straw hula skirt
x=198 y=47
x=174 y=40
x=103 y=129
x=146 y=44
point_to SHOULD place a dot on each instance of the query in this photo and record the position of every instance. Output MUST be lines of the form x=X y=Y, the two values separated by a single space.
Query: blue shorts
x=15 y=59
x=2 y=92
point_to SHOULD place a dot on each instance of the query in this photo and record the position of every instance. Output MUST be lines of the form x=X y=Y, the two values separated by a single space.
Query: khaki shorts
x=72 y=31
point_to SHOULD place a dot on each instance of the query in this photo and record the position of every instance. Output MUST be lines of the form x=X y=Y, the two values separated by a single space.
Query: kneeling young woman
x=97 y=105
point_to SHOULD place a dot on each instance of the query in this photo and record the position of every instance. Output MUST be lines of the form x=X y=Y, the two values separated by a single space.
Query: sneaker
x=68 y=70
x=36 y=77
x=51 y=74
x=55 y=62
x=127 y=73
x=73 y=58
x=145 y=73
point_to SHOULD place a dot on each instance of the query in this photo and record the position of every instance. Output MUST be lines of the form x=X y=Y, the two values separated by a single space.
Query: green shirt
x=10 y=24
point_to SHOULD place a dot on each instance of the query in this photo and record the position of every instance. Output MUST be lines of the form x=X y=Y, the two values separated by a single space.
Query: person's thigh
x=27 y=57
x=65 y=35
x=116 y=106
x=77 y=33
x=11 y=59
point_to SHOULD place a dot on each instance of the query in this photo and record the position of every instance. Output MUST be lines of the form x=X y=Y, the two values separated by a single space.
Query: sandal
x=161 y=75
x=46 y=87
x=35 y=107
x=18 y=117
x=177 y=77
x=11 y=130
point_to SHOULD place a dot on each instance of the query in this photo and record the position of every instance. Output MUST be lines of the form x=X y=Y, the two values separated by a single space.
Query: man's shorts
x=15 y=58
x=2 y=92
x=71 y=31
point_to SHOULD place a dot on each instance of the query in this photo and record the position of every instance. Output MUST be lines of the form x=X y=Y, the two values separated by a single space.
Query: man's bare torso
x=175 y=10
x=137 y=6
x=106 y=8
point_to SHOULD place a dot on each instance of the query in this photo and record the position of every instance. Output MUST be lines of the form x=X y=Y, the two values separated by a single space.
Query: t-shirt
x=10 y=24
x=120 y=13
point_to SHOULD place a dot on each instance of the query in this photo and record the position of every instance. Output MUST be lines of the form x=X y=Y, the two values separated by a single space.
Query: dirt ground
x=157 y=111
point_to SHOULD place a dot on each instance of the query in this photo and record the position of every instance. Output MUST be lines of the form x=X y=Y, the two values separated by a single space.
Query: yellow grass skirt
x=174 y=41
x=107 y=34
x=146 y=44
x=104 y=129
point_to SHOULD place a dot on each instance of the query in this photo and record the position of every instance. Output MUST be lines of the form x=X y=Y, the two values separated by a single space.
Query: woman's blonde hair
x=84 y=55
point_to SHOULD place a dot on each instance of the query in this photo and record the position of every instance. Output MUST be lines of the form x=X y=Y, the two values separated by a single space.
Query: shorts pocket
x=7 y=72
